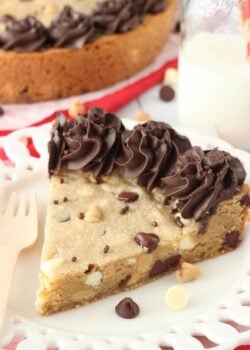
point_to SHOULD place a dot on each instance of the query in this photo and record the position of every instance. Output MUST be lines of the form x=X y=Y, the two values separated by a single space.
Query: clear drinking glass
x=214 y=73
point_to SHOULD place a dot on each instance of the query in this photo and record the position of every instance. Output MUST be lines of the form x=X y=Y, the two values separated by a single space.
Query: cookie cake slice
x=128 y=206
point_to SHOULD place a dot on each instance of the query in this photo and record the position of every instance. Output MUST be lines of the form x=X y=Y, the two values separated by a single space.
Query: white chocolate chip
x=170 y=77
x=188 y=272
x=186 y=243
x=94 y=279
x=93 y=214
x=49 y=267
x=76 y=107
x=177 y=297
x=142 y=116
x=131 y=261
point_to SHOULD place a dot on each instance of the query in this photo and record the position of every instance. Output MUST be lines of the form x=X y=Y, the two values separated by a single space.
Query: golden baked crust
x=59 y=73
x=76 y=268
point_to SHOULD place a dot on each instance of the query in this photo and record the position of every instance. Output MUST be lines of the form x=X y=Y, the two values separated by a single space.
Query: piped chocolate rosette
x=90 y=143
x=202 y=180
x=150 y=151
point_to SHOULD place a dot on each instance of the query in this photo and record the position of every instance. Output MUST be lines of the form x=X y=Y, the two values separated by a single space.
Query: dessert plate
x=218 y=314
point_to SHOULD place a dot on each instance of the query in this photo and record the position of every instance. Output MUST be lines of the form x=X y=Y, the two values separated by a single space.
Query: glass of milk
x=214 y=73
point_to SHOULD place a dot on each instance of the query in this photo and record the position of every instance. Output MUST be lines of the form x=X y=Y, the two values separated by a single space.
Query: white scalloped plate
x=219 y=308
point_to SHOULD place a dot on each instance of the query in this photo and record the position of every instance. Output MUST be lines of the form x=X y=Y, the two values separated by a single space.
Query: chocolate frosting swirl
x=150 y=151
x=119 y=16
x=71 y=29
x=89 y=143
x=202 y=180
x=23 y=35
x=116 y=16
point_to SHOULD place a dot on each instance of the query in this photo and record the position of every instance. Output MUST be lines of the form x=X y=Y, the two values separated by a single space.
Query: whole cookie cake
x=55 y=49
x=128 y=206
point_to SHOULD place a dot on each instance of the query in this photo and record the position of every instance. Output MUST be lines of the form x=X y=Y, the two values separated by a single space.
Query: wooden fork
x=17 y=231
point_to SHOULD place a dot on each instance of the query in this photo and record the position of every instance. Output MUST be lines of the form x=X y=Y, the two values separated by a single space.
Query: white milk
x=214 y=86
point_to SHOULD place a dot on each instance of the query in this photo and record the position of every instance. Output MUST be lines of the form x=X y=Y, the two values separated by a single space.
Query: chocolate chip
x=167 y=93
x=179 y=222
x=128 y=197
x=162 y=266
x=174 y=211
x=166 y=348
x=124 y=210
x=106 y=249
x=245 y=200
x=74 y=259
x=124 y=281
x=232 y=239
x=127 y=308
x=81 y=216
x=56 y=202
x=147 y=240
x=177 y=27
x=61 y=181
x=90 y=268
x=65 y=199
x=154 y=224
x=1 y=111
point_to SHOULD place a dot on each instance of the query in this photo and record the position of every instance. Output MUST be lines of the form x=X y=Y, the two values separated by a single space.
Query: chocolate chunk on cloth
x=127 y=308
